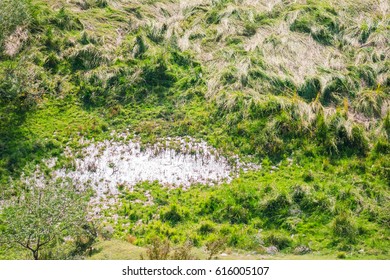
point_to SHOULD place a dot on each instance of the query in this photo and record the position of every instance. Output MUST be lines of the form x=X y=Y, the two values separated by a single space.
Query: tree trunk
x=36 y=255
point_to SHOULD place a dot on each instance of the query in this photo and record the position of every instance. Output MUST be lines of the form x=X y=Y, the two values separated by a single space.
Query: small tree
x=215 y=246
x=158 y=249
x=183 y=252
x=41 y=214
x=161 y=249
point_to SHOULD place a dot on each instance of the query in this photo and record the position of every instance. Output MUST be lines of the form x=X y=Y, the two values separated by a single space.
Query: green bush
x=276 y=208
x=278 y=240
x=158 y=249
x=156 y=34
x=344 y=228
x=172 y=216
x=206 y=228
x=235 y=214
x=156 y=73
x=382 y=146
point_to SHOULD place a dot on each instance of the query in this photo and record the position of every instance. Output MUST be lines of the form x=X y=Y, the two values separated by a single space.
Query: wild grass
x=288 y=209
x=301 y=86
x=14 y=14
x=370 y=103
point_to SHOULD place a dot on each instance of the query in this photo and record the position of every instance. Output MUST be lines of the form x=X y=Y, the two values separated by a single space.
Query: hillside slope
x=300 y=88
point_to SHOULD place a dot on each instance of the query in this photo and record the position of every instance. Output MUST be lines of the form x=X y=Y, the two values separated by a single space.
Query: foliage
x=302 y=88
x=214 y=247
x=158 y=249
x=162 y=250
x=344 y=228
x=13 y=13
x=41 y=215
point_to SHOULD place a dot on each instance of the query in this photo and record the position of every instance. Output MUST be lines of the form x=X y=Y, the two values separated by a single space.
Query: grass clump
x=343 y=227
x=300 y=87
x=320 y=21
x=13 y=14
x=66 y=20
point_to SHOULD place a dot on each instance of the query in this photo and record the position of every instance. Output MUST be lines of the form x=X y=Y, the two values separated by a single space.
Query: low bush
x=278 y=240
x=344 y=228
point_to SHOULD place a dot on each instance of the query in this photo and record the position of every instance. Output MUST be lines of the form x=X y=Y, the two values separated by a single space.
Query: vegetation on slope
x=300 y=82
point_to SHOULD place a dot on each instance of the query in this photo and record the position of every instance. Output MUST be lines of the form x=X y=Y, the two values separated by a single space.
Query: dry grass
x=15 y=41
x=121 y=250
x=286 y=55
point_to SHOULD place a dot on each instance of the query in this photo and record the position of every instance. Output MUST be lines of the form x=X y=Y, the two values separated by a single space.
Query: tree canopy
x=41 y=214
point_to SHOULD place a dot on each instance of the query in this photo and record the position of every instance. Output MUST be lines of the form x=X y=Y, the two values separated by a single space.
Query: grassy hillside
x=300 y=87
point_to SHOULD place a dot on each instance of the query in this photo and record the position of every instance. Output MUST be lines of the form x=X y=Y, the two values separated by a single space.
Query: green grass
x=122 y=250
x=302 y=89
x=116 y=250
x=286 y=208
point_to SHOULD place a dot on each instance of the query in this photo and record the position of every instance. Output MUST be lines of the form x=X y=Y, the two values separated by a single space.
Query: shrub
x=89 y=4
x=158 y=249
x=298 y=194
x=335 y=90
x=213 y=17
x=229 y=76
x=236 y=214
x=156 y=34
x=212 y=204
x=139 y=47
x=131 y=238
x=206 y=228
x=278 y=240
x=359 y=141
x=276 y=208
x=382 y=146
x=172 y=216
x=308 y=176
x=87 y=38
x=344 y=227
x=386 y=126
x=52 y=62
x=21 y=84
x=341 y=255
x=156 y=73
x=106 y=232
x=161 y=249
x=183 y=252
x=215 y=246
x=302 y=250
